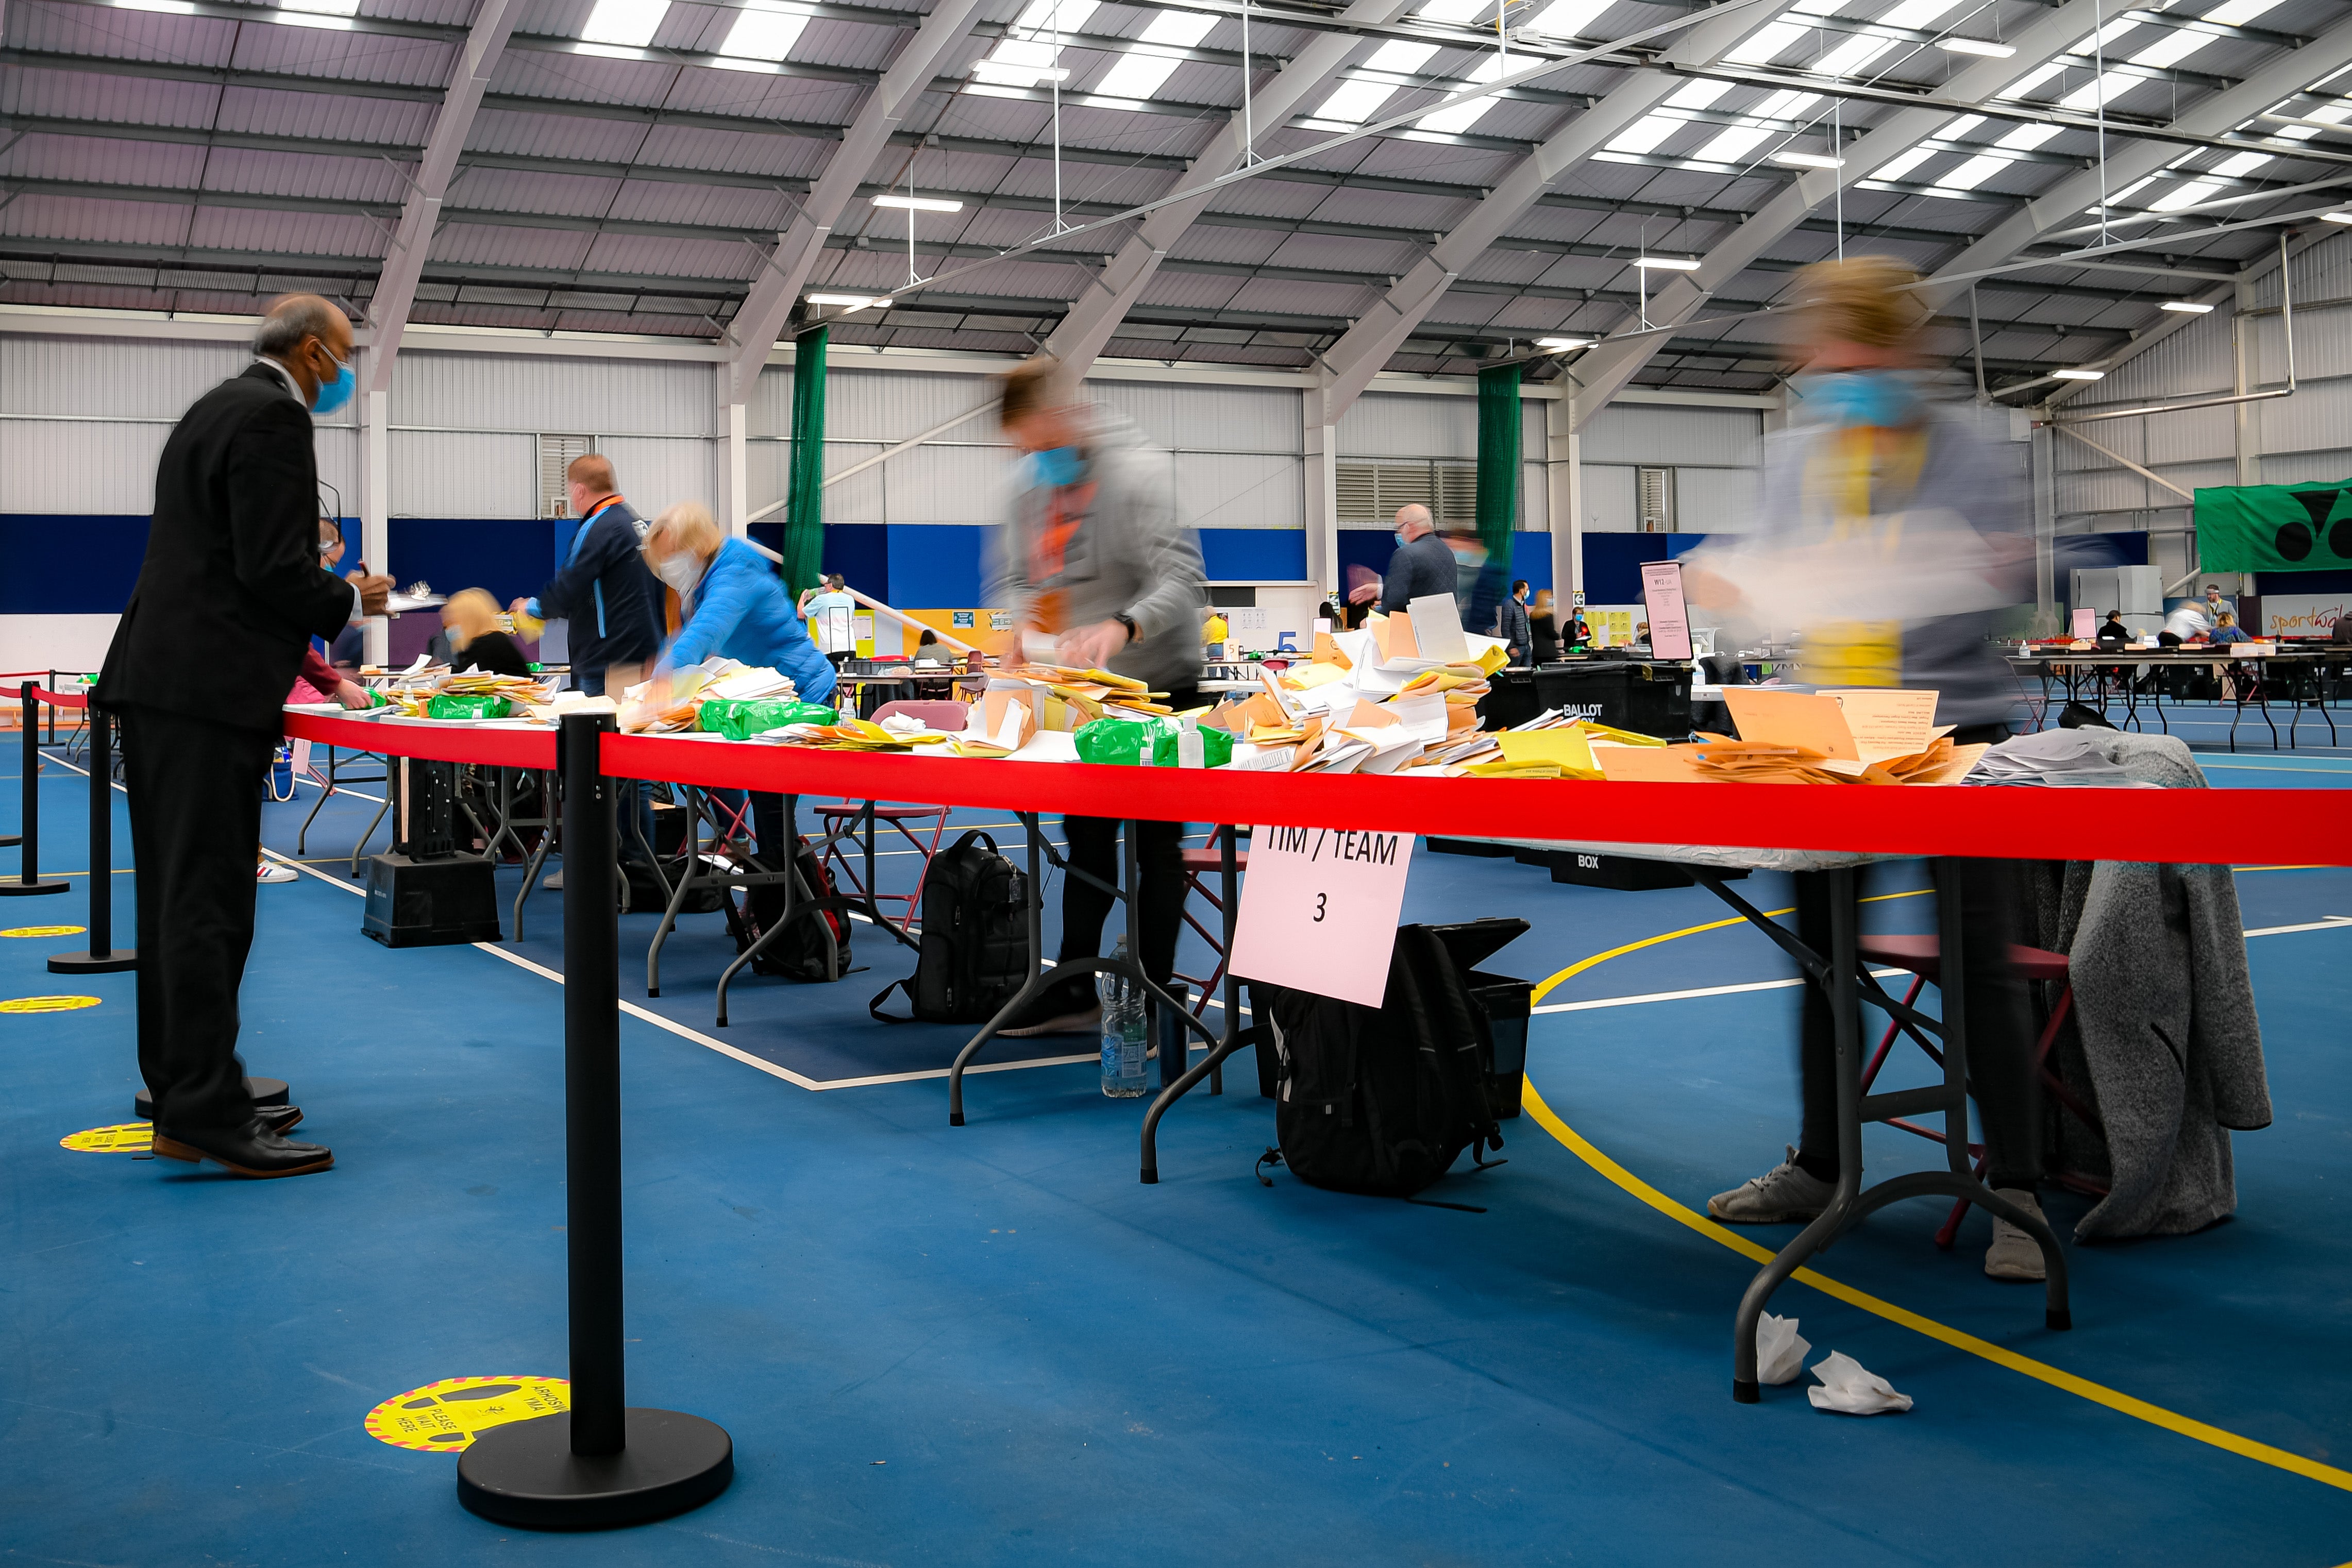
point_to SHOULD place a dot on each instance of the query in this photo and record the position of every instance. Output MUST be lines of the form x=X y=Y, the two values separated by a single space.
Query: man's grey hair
x=1413 y=512
x=283 y=329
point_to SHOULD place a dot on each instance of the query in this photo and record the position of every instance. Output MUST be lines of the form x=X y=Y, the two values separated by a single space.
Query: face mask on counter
x=1852 y=398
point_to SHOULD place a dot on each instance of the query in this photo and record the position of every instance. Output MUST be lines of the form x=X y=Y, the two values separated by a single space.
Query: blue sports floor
x=990 y=1345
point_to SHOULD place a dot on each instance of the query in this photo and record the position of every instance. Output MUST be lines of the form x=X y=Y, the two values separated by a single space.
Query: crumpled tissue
x=902 y=726
x=1779 y=1349
x=1851 y=1390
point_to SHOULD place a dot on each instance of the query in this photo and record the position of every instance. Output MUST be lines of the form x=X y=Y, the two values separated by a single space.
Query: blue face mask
x=334 y=395
x=1851 y=398
x=1056 y=466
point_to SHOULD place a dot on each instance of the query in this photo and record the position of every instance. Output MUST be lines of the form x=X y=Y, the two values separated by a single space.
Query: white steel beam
x=1094 y=314
x=769 y=305
x=2064 y=203
x=1358 y=356
x=1601 y=372
x=412 y=242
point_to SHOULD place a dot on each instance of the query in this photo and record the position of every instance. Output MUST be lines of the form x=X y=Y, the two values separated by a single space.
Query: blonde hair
x=2227 y=618
x=689 y=525
x=471 y=612
x=1863 y=299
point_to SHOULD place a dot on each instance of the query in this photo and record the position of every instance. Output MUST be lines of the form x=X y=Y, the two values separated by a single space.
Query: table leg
x=1035 y=982
x=538 y=860
x=678 y=896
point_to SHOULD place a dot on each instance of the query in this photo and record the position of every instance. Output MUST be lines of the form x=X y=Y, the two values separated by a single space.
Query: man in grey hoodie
x=1092 y=555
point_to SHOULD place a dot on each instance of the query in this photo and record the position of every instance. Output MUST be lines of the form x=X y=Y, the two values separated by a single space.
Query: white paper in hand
x=1780 y=1350
x=1850 y=1390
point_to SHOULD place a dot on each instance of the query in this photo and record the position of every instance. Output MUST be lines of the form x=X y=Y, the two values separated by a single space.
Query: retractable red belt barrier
x=2191 y=826
x=60 y=699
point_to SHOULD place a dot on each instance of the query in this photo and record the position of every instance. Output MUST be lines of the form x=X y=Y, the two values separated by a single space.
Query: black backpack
x=1382 y=1101
x=974 y=952
x=814 y=948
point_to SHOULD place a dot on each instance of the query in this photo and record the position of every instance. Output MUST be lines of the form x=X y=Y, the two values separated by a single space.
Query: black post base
x=2058 y=1318
x=17 y=888
x=9 y=840
x=1746 y=1393
x=526 y=1474
x=87 y=963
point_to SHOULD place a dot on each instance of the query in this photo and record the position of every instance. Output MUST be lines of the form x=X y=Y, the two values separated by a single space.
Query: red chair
x=841 y=836
x=1921 y=956
x=1200 y=866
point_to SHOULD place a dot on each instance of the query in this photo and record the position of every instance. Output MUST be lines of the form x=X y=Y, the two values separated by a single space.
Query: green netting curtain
x=805 y=507
x=1498 y=460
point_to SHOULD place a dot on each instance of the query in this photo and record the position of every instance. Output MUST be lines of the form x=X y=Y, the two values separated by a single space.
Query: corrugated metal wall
x=1714 y=452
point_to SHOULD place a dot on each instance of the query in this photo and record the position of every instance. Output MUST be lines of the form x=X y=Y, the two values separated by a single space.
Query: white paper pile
x=1851 y=1390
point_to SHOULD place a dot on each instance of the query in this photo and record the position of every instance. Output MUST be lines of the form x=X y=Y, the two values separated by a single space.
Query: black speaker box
x=430 y=902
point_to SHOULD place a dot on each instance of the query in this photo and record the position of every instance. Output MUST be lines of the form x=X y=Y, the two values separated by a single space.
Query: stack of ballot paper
x=1863 y=736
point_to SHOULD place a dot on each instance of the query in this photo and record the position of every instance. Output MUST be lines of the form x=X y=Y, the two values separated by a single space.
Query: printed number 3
x=1320 y=899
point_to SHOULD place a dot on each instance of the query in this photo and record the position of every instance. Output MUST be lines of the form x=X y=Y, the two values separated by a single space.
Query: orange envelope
x=1394 y=636
x=1806 y=720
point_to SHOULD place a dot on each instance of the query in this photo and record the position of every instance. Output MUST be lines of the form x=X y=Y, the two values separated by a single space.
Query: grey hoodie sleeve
x=1172 y=567
x=1004 y=581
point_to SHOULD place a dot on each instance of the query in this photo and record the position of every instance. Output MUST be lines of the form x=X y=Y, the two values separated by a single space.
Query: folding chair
x=1199 y=864
x=849 y=826
x=1921 y=956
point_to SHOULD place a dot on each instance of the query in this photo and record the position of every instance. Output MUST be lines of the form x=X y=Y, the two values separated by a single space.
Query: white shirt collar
x=285 y=375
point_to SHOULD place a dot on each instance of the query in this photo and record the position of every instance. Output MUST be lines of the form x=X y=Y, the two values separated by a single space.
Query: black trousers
x=2000 y=1033
x=1093 y=846
x=195 y=815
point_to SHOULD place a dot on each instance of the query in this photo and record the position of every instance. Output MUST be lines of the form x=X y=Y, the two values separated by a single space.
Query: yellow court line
x=1581 y=964
x=2099 y=1394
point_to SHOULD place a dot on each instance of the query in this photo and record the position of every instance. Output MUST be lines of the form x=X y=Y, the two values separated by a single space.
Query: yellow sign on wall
x=447 y=1416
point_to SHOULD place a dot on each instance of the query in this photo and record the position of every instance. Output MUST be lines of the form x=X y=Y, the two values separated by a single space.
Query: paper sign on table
x=1886 y=723
x=1319 y=910
x=1437 y=628
x=1661 y=596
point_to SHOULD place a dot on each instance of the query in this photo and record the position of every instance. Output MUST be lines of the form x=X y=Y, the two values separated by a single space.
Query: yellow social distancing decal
x=447 y=1416
x=44 y=930
x=123 y=1138
x=45 y=1004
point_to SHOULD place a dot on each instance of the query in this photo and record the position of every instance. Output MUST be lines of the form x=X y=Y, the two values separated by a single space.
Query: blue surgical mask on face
x=334 y=395
x=1852 y=398
x=1056 y=466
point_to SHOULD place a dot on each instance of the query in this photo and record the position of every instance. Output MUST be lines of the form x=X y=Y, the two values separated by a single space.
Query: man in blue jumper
x=614 y=603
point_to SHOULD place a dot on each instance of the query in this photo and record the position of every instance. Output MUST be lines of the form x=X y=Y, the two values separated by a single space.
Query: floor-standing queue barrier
x=29 y=882
x=2181 y=825
x=101 y=956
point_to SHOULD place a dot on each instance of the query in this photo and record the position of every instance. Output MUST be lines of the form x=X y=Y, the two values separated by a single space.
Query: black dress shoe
x=252 y=1150
x=280 y=1119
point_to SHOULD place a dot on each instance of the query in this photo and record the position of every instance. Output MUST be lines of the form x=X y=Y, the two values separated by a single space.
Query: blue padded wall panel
x=936 y=566
x=1614 y=562
x=1255 y=555
x=861 y=553
x=58 y=565
x=510 y=556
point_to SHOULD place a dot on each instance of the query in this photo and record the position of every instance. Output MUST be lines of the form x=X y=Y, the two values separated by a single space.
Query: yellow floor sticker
x=45 y=1004
x=45 y=931
x=123 y=1138
x=447 y=1416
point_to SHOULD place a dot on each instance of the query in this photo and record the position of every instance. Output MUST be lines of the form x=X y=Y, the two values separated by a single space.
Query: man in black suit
x=228 y=597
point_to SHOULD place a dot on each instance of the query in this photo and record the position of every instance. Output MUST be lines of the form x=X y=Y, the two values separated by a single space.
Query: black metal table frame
x=1848 y=984
x=2071 y=669
x=1176 y=1079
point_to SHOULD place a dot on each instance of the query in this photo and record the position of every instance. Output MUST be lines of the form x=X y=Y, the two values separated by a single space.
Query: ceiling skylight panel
x=1917 y=13
x=2100 y=90
x=1850 y=55
x=324 y=7
x=1561 y=19
x=1462 y=116
x=1456 y=11
x=1141 y=75
x=1767 y=42
x=1030 y=54
x=1972 y=174
x=2186 y=195
x=1902 y=163
x=1357 y=101
x=2172 y=49
x=1056 y=16
x=2238 y=163
x=2028 y=136
x=1651 y=129
x=631 y=24
x=2238 y=13
x=763 y=33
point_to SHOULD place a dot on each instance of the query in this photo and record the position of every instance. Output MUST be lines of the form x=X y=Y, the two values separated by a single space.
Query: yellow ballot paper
x=1565 y=746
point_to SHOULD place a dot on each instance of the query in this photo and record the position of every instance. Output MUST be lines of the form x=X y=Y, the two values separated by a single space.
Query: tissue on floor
x=1850 y=1389
x=1779 y=1349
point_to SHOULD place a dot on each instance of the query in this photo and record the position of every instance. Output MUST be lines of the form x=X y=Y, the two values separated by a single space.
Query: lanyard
x=589 y=522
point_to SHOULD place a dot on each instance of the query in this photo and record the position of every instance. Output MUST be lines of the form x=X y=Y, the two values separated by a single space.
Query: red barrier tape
x=60 y=699
x=2191 y=826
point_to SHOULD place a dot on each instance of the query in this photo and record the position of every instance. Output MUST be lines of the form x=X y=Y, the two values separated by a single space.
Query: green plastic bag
x=739 y=719
x=447 y=705
x=1121 y=742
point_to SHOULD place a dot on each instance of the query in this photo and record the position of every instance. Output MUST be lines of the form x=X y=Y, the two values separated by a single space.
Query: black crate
x=1626 y=874
x=1478 y=847
x=430 y=904
x=1642 y=697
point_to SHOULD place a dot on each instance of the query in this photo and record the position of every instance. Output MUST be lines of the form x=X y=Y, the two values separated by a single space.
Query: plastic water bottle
x=1122 y=1033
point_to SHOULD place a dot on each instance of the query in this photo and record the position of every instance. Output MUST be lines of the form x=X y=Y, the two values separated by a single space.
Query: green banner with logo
x=2275 y=527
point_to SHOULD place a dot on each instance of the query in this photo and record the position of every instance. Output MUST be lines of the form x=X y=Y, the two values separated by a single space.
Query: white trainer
x=270 y=871
x=1787 y=1192
x=2014 y=1254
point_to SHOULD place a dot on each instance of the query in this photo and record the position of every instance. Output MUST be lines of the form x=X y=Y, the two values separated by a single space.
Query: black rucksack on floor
x=812 y=948
x=974 y=949
x=1382 y=1100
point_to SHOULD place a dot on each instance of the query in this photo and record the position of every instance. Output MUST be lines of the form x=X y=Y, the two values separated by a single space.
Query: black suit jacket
x=231 y=589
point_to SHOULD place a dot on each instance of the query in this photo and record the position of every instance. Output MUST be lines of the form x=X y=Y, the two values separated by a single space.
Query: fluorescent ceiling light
x=916 y=205
x=312 y=19
x=1990 y=51
x=1563 y=343
x=629 y=23
x=849 y=301
x=2079 y=375
x=2186 y=307
x=1807 y=160
x=2335 y=217
x=763 y=33
x=1664 y=264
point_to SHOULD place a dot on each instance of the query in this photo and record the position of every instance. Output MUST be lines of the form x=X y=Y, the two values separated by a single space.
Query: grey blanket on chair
x=2163 y=1041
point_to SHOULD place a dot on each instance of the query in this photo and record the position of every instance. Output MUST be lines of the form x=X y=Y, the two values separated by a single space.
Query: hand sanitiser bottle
x=1122 y=1033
